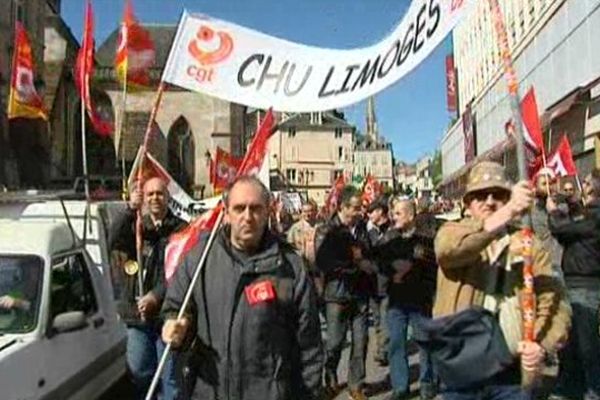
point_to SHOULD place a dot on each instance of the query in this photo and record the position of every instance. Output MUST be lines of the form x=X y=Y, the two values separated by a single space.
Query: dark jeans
x=398 y=319
x=580 y=359
x=144 y=349
x=341 y=317
x=379 y=307
x=490 y=392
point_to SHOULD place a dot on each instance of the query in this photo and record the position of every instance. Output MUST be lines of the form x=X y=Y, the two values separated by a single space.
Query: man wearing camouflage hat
x=480 y=264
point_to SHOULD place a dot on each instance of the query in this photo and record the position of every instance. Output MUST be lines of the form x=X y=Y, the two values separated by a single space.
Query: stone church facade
x=188 y=128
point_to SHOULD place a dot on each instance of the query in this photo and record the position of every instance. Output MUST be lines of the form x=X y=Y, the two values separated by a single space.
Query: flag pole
x=122 y=116
x=186 y=300
x=194 y=280
x=140 y=185
x=83 y=141
x=580 y=188
x=528 y=301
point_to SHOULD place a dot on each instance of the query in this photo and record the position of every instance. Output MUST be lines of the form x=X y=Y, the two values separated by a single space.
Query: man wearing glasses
x=480 y=265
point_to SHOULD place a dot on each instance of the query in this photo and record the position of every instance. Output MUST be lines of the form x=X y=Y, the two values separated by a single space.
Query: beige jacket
x=464 y=253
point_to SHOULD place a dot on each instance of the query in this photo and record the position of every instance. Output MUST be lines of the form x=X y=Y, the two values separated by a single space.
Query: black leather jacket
x=345 y=280
x=155 y=241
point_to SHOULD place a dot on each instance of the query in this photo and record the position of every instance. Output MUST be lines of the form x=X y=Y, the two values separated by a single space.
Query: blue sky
x=411 y=114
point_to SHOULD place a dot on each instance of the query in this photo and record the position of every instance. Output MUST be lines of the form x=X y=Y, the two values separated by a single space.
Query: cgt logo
x=208 y=48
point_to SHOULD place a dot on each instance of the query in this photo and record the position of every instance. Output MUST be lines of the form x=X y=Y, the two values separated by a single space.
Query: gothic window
x=180 y=160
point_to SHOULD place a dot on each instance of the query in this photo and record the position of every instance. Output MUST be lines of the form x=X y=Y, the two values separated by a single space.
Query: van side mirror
x=69 y=321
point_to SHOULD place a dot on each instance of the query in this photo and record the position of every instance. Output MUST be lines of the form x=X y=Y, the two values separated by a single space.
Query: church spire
x=372 y=131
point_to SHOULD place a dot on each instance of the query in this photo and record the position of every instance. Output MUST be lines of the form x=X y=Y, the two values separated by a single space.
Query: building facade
x=416 y=179
x=189 y=126
x=377 y=162
x=309 y=152
x=424 y=171
x=554 y=49
x=372 y=154
x=406 y=177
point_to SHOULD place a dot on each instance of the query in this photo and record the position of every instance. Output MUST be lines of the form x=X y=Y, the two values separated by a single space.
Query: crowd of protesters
x=282 y=293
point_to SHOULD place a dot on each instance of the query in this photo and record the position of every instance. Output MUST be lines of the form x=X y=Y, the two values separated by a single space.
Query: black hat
x=380 y=202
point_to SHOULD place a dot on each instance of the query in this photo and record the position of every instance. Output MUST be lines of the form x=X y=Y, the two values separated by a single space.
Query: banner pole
x=528 y=301
x=139 y=243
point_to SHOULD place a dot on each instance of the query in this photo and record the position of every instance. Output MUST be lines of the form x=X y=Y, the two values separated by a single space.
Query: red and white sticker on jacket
x=260 y=292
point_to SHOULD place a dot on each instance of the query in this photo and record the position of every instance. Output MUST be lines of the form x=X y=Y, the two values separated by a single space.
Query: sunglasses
x=483 y=195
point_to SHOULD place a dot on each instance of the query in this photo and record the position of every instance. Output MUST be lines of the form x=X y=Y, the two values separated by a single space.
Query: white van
x=60 y=336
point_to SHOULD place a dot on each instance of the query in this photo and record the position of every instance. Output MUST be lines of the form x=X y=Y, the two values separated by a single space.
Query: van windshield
x=20 y=291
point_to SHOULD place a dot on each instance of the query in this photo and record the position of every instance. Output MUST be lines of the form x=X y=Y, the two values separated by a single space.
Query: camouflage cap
x=487 y=175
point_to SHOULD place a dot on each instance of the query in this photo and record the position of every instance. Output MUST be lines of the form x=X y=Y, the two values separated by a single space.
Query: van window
x=71 y=287
x=20 y=292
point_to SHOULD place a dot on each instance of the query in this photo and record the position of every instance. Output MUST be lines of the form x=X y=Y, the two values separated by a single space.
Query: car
x=60 y=334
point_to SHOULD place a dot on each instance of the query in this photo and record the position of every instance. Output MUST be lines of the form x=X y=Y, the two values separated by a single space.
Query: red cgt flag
x=181 y=243
x=333 y=197
x=23 y=100
x=135 y=52
x=84 y=70
x=225 y=169
x=561 y=161
x=371 y=190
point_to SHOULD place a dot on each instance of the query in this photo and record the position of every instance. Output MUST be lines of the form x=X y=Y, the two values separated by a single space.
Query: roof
x=329 y=120
x=162 y=37
x=34 y=237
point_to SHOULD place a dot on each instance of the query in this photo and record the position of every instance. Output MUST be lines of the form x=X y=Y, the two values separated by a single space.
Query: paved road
x=377 y=378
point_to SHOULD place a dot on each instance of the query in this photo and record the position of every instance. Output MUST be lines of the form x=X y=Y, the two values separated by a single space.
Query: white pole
x=182 y=309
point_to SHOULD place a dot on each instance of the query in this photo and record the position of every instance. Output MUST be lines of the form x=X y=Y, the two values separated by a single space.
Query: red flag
x=331 y=203
x=84 y=70
x=23 y=99
x=451 y=94
x=532 y=129
x=135 y=51
x=561 y=161
x=181 y=243
x=371 y=190
x=469 y=134
x=225 y=169
x=257 y=150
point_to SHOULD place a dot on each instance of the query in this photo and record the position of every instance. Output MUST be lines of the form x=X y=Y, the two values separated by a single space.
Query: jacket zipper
x=236 y=302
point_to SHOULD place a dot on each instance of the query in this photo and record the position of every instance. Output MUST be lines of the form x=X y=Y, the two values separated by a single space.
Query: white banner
x=245 y=66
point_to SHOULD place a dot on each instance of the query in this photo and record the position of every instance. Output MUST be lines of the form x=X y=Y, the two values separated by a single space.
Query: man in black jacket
x=140 y=310
x=341 y=247
x=580 y=237
x=406 y=255
x=377 y=226
x=253 y=315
